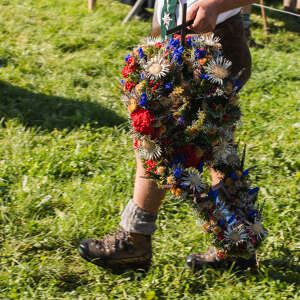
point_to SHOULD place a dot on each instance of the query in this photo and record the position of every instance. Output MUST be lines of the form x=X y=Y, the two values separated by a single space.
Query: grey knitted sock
x=137 y=220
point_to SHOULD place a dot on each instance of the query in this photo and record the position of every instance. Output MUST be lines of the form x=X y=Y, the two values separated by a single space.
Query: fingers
x=192 y=12
x=204 y=18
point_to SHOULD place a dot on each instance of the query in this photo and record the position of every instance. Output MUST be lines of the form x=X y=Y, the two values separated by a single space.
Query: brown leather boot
x=119 y=251
x=210 y=259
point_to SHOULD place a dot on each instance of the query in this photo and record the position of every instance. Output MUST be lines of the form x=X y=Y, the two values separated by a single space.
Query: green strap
x=168 y=15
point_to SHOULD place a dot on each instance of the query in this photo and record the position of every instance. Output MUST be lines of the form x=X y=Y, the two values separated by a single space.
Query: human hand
x=204 y=13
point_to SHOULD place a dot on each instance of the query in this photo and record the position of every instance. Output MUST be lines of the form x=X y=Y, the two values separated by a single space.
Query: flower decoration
x=183 y=108
x=156 y=68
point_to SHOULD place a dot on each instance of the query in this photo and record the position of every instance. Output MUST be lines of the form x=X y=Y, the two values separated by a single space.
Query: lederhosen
x=235 y=47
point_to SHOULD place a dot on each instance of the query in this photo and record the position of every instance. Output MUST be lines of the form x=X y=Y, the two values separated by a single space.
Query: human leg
x=236 y=50
x=129 y=247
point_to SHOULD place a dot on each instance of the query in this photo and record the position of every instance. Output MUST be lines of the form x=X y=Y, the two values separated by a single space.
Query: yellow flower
x=193 y=130
x=132 y=108
x=217 y=229
x=161 y=170
x=132 y=101
x=178 y=192
x=215 y=143
x=173 y=191
x=202 y=61
x=213 y=222
x=170 y=179
x=206 y=227
x=177 y=91
x=212 y=131
x=176 y=115
x=162 y=130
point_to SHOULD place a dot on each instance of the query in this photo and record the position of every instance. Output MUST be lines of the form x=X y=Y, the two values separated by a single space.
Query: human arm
x=205 y=13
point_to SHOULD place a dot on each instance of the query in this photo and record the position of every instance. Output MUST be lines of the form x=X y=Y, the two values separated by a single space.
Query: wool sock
x=136 y=220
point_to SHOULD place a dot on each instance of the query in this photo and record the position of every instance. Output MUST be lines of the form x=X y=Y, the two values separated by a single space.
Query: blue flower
x=253 y=212
x=176 y=160
x=122 y=82
x=127 y=57
x=200 y=53
x=142 y=76
x=173 y=43
x=232 y=218
x=168 y=85
x=200 y=167
x=177 y=172
x=237 y=85
x=253 y=191
x=184 y=186
x=180 y=50
x=245 y=173
x=213 y=194
x=141 y=53
x=205 y=76
x=143 y=101
x=221 y=222
x=233 y=176
x=189 y=41
x=180 y=121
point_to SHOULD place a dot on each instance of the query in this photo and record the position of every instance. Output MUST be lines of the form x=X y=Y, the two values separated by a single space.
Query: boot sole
x=121 y=265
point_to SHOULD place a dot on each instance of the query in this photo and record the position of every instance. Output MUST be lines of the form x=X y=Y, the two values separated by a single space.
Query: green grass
x=67 y=166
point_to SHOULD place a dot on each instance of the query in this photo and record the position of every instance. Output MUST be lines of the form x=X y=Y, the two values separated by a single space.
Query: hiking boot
x=119 y=251
x=211 y=259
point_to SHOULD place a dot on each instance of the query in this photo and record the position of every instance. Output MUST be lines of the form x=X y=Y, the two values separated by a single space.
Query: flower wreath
x=183 y=107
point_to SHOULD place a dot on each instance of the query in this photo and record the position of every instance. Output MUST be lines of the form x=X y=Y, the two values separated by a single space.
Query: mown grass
x=67 y=167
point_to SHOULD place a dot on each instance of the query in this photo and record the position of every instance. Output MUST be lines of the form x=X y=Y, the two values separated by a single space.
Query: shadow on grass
x=281 y=269
x=52 y=112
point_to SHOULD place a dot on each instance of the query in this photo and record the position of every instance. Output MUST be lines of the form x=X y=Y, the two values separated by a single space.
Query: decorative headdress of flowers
x=183 y=107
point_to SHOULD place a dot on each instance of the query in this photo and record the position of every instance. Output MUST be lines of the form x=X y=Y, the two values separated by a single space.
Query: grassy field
x=67 y=166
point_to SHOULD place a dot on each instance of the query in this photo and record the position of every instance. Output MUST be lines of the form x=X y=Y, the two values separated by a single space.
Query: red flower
x=158 y=45
x=155 y=87
x=189 y=153
x=226 y=117
x=126 y=71
x=136 y=143
x=129 y=86
x=207 y=156
x=142 y=120
x=151 y=165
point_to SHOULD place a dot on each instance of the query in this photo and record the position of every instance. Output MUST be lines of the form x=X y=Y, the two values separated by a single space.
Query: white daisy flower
x=156 y=68
x=151 y=41
x=218 y=69
x=194 y=181
x=257 y=228
x=210 y=39
x=198 y=41
x=235 y=236
x=223 y=150
x=149 y=149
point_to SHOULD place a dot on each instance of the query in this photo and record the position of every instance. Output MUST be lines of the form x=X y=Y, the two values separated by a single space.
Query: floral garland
x=183 y=107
